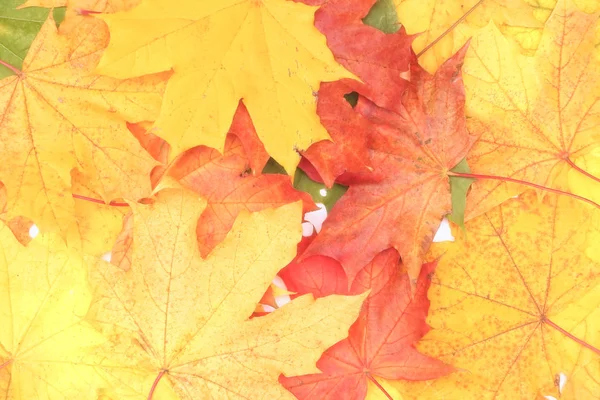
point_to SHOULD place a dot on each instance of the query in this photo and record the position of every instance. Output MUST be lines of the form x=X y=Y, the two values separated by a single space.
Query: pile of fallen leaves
x=168 y=151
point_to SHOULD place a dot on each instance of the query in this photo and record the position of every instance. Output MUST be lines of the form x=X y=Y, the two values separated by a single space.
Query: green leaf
x=383 y=16
x=18 y=29
x=318 y=191
x=273 y=167
x=458 y=188
x=351 y=98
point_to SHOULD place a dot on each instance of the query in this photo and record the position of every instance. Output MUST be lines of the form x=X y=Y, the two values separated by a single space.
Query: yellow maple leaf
x=534 y=116
x=179 y=325
x=266 y=52
x=446 y=25
x=96 y=225
x=44 y=342
x=56 y=116
x=515 y=304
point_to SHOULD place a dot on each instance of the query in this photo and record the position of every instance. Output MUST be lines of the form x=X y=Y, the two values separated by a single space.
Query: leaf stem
x=579 y=169
x=155 y=384
x=114 y=204
x=458 y=21
x=379 y=386
x=84 y=12
x=13 y=69
x=507 y=179
x=5 y=364
x=570 y=336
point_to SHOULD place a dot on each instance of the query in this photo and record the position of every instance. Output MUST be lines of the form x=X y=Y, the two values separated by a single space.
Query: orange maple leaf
x=516 y=303
x=535 y=116
x=56 y=117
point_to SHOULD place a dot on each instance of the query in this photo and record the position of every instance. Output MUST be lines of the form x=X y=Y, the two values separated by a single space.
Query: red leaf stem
x=155 y=384
x=379 y=386
x=579 y=169
x=87 y=12
x=458 y=21
x=570 y=336
x=114 y=204
x=13 y=69
x=507 y=179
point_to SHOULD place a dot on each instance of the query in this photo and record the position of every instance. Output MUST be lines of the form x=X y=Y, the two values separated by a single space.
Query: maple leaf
x=445 y=26
x=516 y=303
x=238 y=187
x=585 y=185
x=266 y=52
x=236 y=191
x=534 y=116
x=19 y=225
x=18 y=29
x=411 y=151
x=44 y=341
x=380 y=60
x=380 y=342
x=57 y=117
x=180 y=323
x=348 y=153
x=96 y=224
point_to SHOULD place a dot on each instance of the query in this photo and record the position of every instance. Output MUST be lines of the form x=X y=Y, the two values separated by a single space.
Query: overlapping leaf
x=534 y=116
x=230 y=182
x=44 y=341
x=18 y=29
x=412 y=147
x=238 y=187
x=268 y=53
x=516 y=304
x=180 y=324
x=446 y=25
x=380 y=342
x=380 y=60
x=56 y=117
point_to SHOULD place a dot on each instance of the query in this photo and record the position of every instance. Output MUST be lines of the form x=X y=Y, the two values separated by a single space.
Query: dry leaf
x=516 y=303
x=56 y=117
x=179 y=323
x=411 y=147
x=534 y=115
x=268 y=53
x=439 y=36
x=44 y=341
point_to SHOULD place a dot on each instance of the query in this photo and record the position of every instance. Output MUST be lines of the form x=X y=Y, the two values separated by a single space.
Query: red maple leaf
x=381 y=341
x=412 y=146
x=382 y=61
x=232 y=181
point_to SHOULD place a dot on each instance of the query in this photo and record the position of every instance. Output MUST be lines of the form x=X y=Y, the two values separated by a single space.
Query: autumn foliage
x=164 y=167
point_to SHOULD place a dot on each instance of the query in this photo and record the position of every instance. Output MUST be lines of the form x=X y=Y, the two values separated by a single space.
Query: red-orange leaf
x=227 y=182
x=412 y=147
x=349 y=152
x=380 y=342
x=382 y=61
